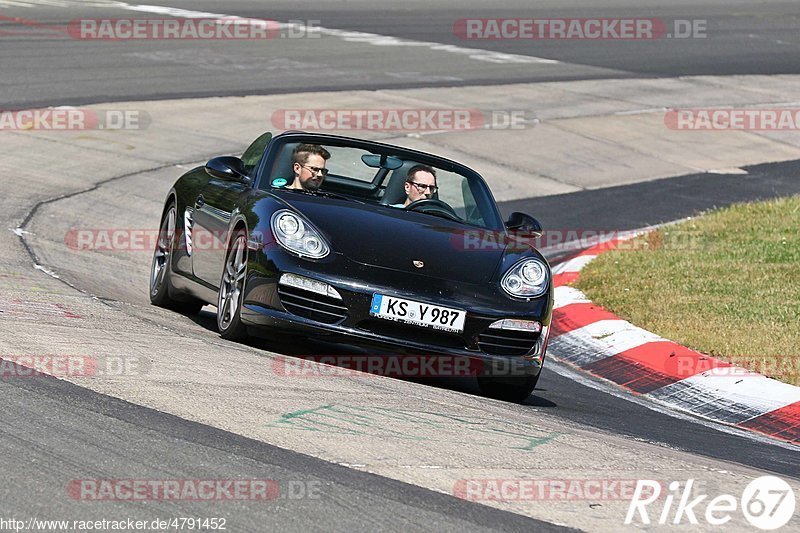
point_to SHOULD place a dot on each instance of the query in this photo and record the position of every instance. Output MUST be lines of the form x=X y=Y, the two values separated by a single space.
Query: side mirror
x=521 y=222
x=227 y=168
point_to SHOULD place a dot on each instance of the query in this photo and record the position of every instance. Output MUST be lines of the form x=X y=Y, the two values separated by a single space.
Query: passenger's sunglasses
x=315 y=170
x=421 y=187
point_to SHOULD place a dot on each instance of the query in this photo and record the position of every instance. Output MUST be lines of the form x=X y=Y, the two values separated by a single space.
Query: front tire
x=231 y=290
x=161 y=289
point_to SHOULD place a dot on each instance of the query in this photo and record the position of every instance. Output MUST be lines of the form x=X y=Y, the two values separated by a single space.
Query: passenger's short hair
x=420 y=168
x=303 y=151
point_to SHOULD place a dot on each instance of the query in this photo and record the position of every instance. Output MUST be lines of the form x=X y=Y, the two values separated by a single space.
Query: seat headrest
x=395 y=188
x=282 y=167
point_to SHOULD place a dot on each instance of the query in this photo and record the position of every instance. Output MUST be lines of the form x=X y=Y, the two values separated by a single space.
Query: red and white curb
x=591 y=338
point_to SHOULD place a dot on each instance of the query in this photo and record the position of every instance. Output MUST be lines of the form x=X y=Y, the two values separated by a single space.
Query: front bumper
x=380 y=345
x=264 y=308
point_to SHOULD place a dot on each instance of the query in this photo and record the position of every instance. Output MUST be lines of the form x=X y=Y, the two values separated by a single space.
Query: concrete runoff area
x=592 y=134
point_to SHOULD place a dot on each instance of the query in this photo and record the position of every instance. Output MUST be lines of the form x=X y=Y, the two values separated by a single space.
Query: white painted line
x=60 y=3
x=51 y=3
x=731 y=170
x=374 y=39
x=646 y=111
x=46 y=271
x=174 y=12
x=11 y=3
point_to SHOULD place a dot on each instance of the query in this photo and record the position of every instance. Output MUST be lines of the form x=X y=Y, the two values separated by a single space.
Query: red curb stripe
x=601 y=247
x=565 y=278
x=34 y=24
x=783 y=423
x=653 y=365
x=671 y=359
x=577 y=315
x=629 y=375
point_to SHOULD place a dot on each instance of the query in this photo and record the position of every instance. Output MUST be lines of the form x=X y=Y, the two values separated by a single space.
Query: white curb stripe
x=600 y=340
x=575 y=264
x=729 y=399
x=566 y=295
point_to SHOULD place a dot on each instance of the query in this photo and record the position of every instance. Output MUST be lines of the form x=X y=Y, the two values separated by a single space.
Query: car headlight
x=526 y=279
x=298 y=235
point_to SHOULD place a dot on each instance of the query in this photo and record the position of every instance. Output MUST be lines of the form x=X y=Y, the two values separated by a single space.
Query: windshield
x=406 y=179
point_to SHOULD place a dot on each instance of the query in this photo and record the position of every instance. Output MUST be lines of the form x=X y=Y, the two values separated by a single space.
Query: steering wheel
x=434 y=207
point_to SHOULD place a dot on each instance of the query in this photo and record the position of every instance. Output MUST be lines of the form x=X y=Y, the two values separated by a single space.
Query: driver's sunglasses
x=315 y=170
x=421 y=187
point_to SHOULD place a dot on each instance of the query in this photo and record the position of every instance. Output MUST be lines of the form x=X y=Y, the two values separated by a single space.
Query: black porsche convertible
x=354 y=261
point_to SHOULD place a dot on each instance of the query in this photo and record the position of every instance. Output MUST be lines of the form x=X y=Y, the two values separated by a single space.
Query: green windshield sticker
x=279 y=182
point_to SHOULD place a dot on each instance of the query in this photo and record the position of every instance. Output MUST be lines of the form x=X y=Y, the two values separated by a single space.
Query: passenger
x=420 y=184
x=309 y=167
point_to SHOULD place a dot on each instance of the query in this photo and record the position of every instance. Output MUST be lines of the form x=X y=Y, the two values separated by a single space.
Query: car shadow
x=303 y=347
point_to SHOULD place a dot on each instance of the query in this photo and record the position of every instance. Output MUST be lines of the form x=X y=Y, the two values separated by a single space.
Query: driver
x=309 y=167
x=420 y=184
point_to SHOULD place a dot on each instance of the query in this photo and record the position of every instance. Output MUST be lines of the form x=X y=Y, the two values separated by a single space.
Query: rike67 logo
x=767 y=503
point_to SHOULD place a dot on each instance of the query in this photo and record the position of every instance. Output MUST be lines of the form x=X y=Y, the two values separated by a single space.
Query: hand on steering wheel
x=433 y=206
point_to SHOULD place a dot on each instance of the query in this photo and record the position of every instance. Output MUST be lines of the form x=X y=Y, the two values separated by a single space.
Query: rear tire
x=161 y=290
x=231 y=290
x=513 y=389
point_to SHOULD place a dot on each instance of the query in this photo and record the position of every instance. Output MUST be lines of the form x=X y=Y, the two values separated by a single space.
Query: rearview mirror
x=382 y=161
x=227 y=168
x=521 y=222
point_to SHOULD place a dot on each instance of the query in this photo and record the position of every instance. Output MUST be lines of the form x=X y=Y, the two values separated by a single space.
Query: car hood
x=395 y=239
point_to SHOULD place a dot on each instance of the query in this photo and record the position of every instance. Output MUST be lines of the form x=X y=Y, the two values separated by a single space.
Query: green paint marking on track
x=412 y=425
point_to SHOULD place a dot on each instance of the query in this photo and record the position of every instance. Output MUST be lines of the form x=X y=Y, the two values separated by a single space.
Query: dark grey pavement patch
x=653 y=202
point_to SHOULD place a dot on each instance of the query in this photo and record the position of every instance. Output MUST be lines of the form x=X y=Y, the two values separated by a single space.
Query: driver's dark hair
x=417 y=168
x=303 y=151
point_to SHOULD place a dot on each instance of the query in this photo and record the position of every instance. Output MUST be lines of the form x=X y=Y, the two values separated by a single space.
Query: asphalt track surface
x=100 y=435
x=43 y=66
x=67 y=425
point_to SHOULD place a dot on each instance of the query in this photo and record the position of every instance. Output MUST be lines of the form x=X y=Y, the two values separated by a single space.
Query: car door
x=214 y=208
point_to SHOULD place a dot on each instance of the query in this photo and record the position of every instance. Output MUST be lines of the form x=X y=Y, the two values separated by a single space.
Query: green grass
x=726 y=284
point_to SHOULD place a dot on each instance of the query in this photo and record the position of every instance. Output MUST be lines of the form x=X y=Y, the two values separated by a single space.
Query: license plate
x=417 y=313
